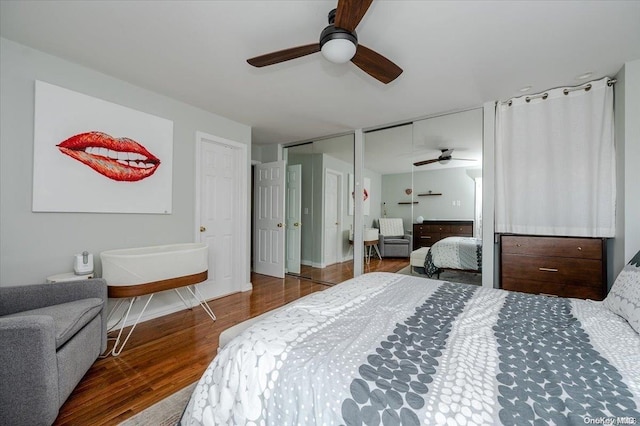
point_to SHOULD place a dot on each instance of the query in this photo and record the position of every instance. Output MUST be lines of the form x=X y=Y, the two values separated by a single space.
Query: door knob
x=202 y=229
x=296 y=224
x=279 y=225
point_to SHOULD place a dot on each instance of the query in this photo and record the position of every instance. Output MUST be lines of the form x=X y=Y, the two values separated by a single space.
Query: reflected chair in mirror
x=393 y=241
x=370 y=237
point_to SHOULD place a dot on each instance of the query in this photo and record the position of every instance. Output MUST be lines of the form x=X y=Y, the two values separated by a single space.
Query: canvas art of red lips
x=120 y=159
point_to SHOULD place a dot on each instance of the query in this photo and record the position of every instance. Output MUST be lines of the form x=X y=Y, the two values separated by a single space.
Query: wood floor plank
x=168 y=353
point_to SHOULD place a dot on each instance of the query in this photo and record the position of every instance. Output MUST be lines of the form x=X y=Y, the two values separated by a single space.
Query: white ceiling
x=455 y=54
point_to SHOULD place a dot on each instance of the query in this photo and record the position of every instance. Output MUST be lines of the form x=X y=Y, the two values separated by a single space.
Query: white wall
x=36 y=245
x=632 y=159
x=453 y=183
x=627 y=135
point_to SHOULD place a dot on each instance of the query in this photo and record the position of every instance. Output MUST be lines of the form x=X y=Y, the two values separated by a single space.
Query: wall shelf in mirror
x=407 y=202
x=426 y=194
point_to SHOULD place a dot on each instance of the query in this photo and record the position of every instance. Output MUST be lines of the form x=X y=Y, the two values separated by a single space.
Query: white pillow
x=624 y=297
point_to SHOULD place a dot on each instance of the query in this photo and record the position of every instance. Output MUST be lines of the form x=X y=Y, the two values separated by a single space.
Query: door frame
x=241 y=224
x=256 y=206
x=339 y=205
x=287 y=204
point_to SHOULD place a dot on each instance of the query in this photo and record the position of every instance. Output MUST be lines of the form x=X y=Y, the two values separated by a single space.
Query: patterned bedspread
x=454 y=253
x=388 y=349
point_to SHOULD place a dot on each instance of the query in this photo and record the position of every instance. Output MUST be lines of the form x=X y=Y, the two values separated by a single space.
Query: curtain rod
x=586 y=87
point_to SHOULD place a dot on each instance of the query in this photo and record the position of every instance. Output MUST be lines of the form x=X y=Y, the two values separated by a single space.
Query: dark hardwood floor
x=168 y=353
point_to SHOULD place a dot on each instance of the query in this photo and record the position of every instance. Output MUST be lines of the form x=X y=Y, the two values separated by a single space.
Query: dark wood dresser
x=428 y=232
x=557 y=266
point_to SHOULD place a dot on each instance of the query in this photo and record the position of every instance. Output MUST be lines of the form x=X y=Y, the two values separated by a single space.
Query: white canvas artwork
x=366 y=195
x=95 y=156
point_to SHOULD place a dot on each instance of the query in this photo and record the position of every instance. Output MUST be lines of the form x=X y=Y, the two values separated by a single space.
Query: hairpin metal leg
x=201 y=300
x=375 y=246
x=113 y=310
x=116 y=351
x=188 y=305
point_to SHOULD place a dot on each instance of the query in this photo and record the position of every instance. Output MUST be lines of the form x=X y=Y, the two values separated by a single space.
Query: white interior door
x=294 y=217
x=331 y=217
x=219 y=190
x=268 y=236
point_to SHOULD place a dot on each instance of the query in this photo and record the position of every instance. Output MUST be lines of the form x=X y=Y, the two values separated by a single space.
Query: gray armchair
x=393 y=240
x=51 y=334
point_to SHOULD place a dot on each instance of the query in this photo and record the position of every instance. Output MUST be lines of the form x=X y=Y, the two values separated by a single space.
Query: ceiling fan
x=339 y=44
x=444 y=158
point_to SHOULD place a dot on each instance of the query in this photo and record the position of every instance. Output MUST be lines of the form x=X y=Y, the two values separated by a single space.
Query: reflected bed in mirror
x=436 y=199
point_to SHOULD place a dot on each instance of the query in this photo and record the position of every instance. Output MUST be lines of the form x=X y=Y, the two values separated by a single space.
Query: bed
x=390 y=349
x=460 y=253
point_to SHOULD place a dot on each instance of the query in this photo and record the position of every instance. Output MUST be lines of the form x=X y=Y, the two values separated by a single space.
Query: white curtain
x=555 y=163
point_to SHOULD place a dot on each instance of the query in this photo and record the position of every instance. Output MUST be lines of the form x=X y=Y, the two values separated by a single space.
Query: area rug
x=448 y=275
x=164 y=413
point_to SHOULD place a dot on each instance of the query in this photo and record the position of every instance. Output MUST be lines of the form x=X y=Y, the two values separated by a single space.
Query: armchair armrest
x=380 y=241
x=410 y=238
x=27 y=297
x=28 y=370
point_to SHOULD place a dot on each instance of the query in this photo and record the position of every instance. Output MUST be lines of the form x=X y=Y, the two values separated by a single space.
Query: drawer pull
x=548 y=269
x=425 y=237
x=518 y=245
x=579 y=248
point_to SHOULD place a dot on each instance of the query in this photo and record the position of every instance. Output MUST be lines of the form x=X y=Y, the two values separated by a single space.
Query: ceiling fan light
x=338 y=50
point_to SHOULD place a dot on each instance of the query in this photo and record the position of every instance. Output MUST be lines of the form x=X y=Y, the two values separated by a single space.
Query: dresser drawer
x=426 y=240
x=462 y=230
x=550 y=288
x=587 y=272
x=583 y=248
x=439 y=228
x=417 y=229
x=429 y=232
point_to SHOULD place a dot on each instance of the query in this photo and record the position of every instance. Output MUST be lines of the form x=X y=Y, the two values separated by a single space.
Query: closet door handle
x=548 y=269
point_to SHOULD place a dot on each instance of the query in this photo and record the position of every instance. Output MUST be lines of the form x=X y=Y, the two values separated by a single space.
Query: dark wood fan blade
x=284 y=55
x=376 y=65
x=349 y=13
x=424 y=162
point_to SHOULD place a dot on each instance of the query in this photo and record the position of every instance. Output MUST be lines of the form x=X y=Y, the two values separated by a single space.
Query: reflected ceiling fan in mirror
x=444 y=158
x=339 y=44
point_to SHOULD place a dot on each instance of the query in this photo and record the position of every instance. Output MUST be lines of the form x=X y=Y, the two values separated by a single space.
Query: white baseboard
x=312 y=264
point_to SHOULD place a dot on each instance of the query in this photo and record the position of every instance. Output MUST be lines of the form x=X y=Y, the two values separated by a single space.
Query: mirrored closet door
x=430 y=177
x=318 y=223
x=388 y=155
x=447 y=184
